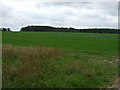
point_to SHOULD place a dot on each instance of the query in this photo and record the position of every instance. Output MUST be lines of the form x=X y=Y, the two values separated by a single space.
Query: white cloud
x=75 y=14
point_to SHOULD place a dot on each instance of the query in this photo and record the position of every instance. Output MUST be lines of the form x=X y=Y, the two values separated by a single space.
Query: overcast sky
x=17 y=13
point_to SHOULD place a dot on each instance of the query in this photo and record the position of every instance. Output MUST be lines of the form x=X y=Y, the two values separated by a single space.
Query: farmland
x=59 y=59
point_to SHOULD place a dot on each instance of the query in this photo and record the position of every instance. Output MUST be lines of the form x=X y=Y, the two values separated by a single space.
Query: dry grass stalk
x=29 y=60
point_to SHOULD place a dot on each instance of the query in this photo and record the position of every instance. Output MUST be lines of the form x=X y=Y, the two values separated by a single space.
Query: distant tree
x=8 y=29
x=62 y=29
x=4 y=29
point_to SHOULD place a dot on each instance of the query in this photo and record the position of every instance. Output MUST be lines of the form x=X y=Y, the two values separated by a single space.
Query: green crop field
x=59 y=59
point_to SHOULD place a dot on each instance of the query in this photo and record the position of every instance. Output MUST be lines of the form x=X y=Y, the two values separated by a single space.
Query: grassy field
x=58 y=59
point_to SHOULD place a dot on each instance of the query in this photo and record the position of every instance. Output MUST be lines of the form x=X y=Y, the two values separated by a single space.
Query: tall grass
x=24 y=61
x=48 y=67
x=82 y=60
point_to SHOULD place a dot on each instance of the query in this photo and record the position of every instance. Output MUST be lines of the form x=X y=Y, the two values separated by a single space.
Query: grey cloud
x=75 y=14
x=5 y=10
x=111 y=8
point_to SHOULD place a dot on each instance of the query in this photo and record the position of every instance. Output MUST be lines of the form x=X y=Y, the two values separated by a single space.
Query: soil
x=115 y=84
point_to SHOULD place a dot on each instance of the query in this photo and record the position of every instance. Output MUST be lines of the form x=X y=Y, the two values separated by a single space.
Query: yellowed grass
x=78 y=66
x=29 y=60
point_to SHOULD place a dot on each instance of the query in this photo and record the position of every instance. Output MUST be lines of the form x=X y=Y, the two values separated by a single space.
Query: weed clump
x=25 y=61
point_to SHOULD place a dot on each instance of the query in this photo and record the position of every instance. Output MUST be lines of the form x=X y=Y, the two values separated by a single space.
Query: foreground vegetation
x=47 y=59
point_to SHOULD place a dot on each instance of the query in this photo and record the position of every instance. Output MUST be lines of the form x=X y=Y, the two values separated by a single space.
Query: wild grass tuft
x=27 y=61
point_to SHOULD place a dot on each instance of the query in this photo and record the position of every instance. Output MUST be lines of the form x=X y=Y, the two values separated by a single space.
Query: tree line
x=5 y=29
x=62 y=29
